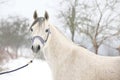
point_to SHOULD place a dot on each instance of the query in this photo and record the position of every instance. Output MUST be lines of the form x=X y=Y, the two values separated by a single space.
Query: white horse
x=67 y=60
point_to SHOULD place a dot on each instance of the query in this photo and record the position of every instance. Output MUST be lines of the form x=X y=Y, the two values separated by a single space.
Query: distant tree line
x=13 y=34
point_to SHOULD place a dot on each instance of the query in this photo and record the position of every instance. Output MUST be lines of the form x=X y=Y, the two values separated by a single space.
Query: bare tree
x=13 y=32
x=102 y=22
x=69 y=16
x=97 y=20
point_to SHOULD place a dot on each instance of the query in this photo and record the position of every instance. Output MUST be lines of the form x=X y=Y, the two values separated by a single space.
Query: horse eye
x=31 y=29
x=46 y=30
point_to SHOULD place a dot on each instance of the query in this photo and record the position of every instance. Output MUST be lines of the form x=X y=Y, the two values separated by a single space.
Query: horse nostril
x=32 y=47
x=38 y=47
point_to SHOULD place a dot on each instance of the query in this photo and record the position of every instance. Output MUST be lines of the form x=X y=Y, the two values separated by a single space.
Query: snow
x=38 y=70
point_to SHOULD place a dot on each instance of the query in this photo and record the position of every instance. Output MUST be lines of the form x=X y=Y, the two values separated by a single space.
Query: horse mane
x=61 y=33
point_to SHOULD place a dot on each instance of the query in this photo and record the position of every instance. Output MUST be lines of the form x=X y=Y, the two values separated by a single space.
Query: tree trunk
x=96 y=50
x=10 y=55
x=96 y=46
x=15 y=52
x=73 y=33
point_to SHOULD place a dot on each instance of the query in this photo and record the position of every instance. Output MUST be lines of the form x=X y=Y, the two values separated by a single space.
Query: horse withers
x=67 y=60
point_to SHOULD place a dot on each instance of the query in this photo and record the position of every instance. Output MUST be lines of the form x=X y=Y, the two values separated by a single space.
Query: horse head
x=40 y=30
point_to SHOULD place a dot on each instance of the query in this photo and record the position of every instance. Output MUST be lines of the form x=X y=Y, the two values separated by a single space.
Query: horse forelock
x=39 y=19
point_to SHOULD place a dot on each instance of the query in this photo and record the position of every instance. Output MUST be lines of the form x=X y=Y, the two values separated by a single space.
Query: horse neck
x=57 y=47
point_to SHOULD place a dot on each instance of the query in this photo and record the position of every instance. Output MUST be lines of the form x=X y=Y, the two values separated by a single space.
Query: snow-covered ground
x=38 y=70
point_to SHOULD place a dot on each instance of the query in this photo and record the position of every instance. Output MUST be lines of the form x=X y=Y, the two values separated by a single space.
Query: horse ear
x=35 y=15
x=46 y=15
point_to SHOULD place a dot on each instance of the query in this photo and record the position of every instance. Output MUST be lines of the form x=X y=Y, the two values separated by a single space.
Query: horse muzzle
x=36 y=48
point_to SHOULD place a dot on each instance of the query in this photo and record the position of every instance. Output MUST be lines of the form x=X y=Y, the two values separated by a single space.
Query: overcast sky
x=26 y=8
